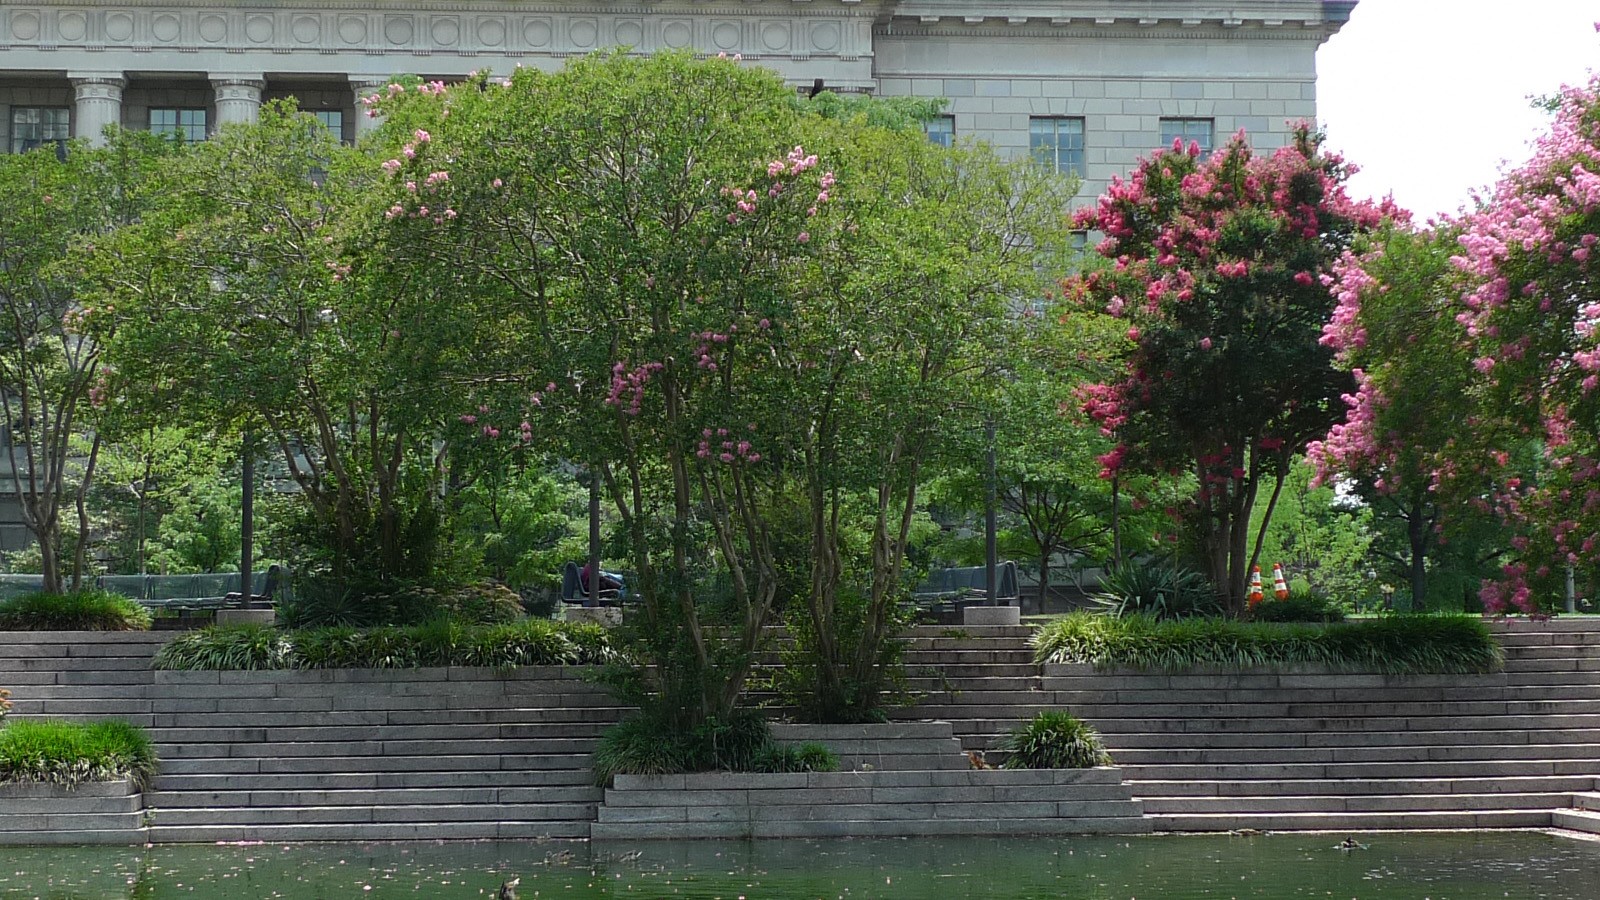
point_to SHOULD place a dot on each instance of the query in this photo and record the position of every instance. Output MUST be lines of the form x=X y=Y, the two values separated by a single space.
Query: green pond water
x=1522 y=865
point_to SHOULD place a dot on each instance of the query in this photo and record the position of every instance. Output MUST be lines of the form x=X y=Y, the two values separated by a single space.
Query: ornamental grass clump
x=1054 y=739
x=71 y=753
x=1400 y=645
x=85 y=610
x=646 y=744
x=442 y=642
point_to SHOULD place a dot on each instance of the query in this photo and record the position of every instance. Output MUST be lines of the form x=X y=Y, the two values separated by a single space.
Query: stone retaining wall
x=101 y=813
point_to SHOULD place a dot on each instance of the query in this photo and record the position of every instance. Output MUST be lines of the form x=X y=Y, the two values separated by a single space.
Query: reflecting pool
x=1440 y=866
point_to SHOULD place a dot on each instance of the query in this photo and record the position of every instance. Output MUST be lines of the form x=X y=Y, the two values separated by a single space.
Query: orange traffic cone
x=1255 y=586
x=1280 y=588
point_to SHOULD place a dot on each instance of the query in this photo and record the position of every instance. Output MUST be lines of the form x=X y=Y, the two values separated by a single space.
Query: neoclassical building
x=1085 y=85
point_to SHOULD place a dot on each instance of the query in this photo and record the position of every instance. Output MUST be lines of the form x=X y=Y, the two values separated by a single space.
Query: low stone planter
x=100 y=813
x=991 y=615
x=599 y=615
x=246 y=616
x=870 y=804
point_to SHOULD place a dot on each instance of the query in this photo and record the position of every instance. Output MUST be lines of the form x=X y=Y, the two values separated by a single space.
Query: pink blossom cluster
x=722 y=445
x=628 y=385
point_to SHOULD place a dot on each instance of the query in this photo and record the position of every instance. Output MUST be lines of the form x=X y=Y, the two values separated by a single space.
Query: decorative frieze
x=767 y=30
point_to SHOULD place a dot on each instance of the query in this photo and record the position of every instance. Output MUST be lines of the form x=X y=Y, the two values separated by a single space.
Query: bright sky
x=1430 y=97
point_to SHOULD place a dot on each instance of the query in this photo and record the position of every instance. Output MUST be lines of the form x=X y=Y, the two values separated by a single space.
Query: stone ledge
x=99 y=813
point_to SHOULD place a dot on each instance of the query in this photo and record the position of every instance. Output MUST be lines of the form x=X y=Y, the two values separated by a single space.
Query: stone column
x=98 y=100
x=238 y=98
x=362 y=87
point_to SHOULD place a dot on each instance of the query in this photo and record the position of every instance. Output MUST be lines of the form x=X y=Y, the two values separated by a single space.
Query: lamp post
x=990 y=528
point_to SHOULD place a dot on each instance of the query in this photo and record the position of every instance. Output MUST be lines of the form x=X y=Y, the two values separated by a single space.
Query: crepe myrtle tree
x=1414 y=443
x=1531 y=314
x=625 y=232
x=1216 y=268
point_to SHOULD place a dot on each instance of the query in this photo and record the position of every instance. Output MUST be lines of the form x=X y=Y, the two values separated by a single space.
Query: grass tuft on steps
x=73 y=753
x=1395 y=645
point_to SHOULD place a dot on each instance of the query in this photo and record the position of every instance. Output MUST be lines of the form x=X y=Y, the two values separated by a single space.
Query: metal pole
x=1572 y=592
x=594 y=538
x=990 y=541
x=247 y=524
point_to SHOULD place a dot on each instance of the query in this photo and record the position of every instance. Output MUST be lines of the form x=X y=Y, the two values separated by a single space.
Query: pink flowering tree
x=1216 y=268
x=1413 y=443
x=1532 y=319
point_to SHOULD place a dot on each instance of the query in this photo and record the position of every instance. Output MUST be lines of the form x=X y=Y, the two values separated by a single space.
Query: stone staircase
x=1313 y=750
x=333 y=755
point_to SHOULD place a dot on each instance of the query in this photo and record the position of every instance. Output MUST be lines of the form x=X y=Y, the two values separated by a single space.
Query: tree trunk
x=1417 y=534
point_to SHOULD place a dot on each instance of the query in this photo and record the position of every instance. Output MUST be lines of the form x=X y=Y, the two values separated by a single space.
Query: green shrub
x=72 y=753
x=806 y=757
x=1156 y=589
x=442 y=642
x=1302 y=605
x=644 y=744
x=322 y=602
x=1404 y=645
x=85 y=610
x=1054 y=739
x=227 y=648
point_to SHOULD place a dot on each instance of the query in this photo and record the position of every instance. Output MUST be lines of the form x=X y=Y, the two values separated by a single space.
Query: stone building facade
x=1086 y=85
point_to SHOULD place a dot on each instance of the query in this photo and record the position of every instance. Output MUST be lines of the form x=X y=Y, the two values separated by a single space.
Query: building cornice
x=1326 y=15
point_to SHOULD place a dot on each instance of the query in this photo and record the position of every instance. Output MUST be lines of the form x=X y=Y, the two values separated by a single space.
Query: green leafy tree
x=51 y=205
x=259 y=297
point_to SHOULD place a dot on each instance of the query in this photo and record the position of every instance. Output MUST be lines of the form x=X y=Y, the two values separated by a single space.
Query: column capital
x=97 y=85
x=246 y=87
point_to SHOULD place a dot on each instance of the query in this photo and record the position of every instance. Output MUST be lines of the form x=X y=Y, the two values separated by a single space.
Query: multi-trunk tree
x=54 y=202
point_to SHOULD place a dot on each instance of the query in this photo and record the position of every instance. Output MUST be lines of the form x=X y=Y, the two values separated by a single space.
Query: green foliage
x=1159 y=589
x=1321 y=536
x=240 y=647
x=85 y=610
x=52 y=381
x=1400 y=645
x=1054 y=739
x=1302 y=605
x=441 y=642
x=891 y=113
x=804 y=757
x=647 y=744
x=70 y=753
x=326 y=601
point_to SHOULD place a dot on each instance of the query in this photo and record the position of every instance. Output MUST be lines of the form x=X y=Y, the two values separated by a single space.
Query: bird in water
x=1349 y=844
x=631 y=855
x=508 y=890
x=558 y=858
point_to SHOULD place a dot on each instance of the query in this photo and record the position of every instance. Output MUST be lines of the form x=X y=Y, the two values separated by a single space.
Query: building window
x=35 y=126
x=331 y=119
x=1198 y=131
x=189 y=125
x=941 y=130
x=1057 y=143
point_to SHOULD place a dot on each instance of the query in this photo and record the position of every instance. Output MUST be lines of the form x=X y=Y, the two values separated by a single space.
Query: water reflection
x=1460 y=866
